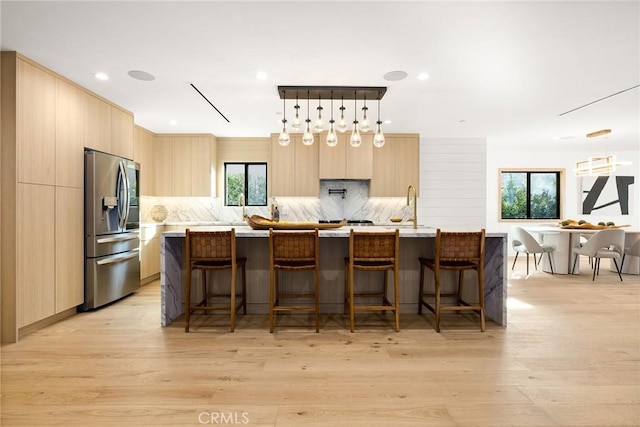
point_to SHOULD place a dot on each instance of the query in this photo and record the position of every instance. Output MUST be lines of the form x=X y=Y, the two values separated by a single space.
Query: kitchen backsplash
x=329 y=205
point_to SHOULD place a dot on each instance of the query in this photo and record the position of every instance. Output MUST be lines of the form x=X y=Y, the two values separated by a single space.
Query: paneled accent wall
x=453 y=182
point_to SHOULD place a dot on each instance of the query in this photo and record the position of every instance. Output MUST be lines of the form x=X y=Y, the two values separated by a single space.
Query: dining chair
x=372 y=251
x=457 y=251
x=209 y=251
x=523 y=242
x=607 y=243
x=633 y=250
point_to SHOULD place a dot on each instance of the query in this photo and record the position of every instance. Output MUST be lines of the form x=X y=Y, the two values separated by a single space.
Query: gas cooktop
x=349 y=221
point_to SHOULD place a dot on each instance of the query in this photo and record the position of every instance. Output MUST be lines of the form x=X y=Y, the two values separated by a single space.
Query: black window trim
x=559 y=189
x=246 y=181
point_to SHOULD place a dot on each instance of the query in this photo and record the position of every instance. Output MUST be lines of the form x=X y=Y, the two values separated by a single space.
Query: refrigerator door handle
x=117 y=258
x=117 y=239
x=123 y=196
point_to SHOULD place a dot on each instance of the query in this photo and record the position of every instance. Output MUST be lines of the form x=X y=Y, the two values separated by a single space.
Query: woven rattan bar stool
x=209 y=251
x=458 y=251
x=372 y=251
x=293 y=251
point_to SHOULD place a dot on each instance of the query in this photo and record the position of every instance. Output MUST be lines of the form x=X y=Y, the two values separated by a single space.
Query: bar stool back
x=458 y=251
x=210 y=251
x=291 y=251
x=372 y=251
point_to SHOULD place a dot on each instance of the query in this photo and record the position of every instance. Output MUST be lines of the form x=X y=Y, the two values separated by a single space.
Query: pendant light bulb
x=365 y=126
x=342 y=123
x=355 y=139
x=296 y=124
x=332 y=137
x=318 y=126
x=378 y=139
x=307 y=137
x=284 y=138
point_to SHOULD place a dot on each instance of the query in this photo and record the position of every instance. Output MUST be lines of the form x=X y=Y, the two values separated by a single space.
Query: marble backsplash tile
x=356 y=204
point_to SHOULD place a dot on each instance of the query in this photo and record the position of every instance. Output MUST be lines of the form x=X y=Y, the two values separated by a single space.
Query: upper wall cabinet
x=344 y=161
x=121 y=133
x=36 y=124
x=294 y=168
x=396 y=165
x=98 y=129
x=183 y=165
x=70 y=133
x=143 y=141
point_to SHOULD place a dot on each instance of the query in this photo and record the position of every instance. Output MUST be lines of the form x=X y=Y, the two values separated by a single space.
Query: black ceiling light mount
x=344 y=92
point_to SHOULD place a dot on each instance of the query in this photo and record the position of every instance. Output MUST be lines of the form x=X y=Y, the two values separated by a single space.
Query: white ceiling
x=501 y=70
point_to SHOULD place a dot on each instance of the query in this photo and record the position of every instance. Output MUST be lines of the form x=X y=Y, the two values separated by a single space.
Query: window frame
x=560 y=185
x=246 y=182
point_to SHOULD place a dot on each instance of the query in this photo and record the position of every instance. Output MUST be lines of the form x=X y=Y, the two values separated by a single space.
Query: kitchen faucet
x=415 y=205
x=241 y=203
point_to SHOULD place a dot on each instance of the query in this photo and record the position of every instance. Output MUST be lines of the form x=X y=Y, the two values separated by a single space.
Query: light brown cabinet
x=69 y=248
x=121 y=133
x=344 y=161
x=35 y=253
x=183 y=165
x=150 y=251
x=143 y=144
x=294 y=168
x=35 y=124
x=71 y=131
x=98 y=126
x=396 y=165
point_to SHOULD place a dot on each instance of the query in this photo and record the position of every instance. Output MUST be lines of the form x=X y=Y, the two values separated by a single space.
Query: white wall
x=530 y=157
x=453 y=188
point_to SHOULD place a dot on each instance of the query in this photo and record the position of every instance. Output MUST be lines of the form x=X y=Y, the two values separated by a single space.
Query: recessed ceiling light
x=101 y=76
x=423 y=76
x=141 y=75
x=261 y=75
x=387 y=122
x=394 y=76
x=173 y=122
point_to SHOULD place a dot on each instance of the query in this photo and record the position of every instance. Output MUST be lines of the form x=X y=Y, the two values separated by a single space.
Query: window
x=249 y=179
x=530 y=194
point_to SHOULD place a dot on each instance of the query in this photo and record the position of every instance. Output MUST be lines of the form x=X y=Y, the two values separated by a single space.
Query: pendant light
x=342 y=123
x=318 y=126
x=307 y=137
x=284 y=138
x=378 y=139
x=332 y=138
x=355 y=140
x=297 y=123
x=364 y=124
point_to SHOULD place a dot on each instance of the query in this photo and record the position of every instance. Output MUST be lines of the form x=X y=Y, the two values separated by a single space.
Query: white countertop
x=246 y=231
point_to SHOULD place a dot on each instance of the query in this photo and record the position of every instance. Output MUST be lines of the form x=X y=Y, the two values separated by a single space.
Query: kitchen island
x=334 y=246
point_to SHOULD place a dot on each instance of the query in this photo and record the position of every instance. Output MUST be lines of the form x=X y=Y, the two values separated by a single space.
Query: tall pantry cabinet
x=46 y=123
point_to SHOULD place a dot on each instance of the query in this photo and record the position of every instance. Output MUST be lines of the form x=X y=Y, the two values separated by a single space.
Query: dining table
x=565 y=240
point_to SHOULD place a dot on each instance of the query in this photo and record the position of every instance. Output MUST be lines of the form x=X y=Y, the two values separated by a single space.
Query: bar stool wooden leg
x=437 y=295
x=187 y=302
x=351 y=296
x=244 y=289
x=233 y=298
x=396 y=297
x=272 y=286
x=421 y=290
x=316 y=279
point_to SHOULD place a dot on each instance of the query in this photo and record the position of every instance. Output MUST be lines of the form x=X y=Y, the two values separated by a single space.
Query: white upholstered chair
x=523 y=242
x=608 y=243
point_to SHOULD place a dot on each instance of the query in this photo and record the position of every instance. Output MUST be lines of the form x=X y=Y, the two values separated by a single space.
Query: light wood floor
x=570 y=356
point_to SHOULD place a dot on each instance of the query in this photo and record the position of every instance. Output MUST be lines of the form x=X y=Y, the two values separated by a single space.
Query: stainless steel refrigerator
x=112 y=228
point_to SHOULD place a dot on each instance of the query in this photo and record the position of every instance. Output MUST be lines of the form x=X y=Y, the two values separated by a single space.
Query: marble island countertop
x=246 y=231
